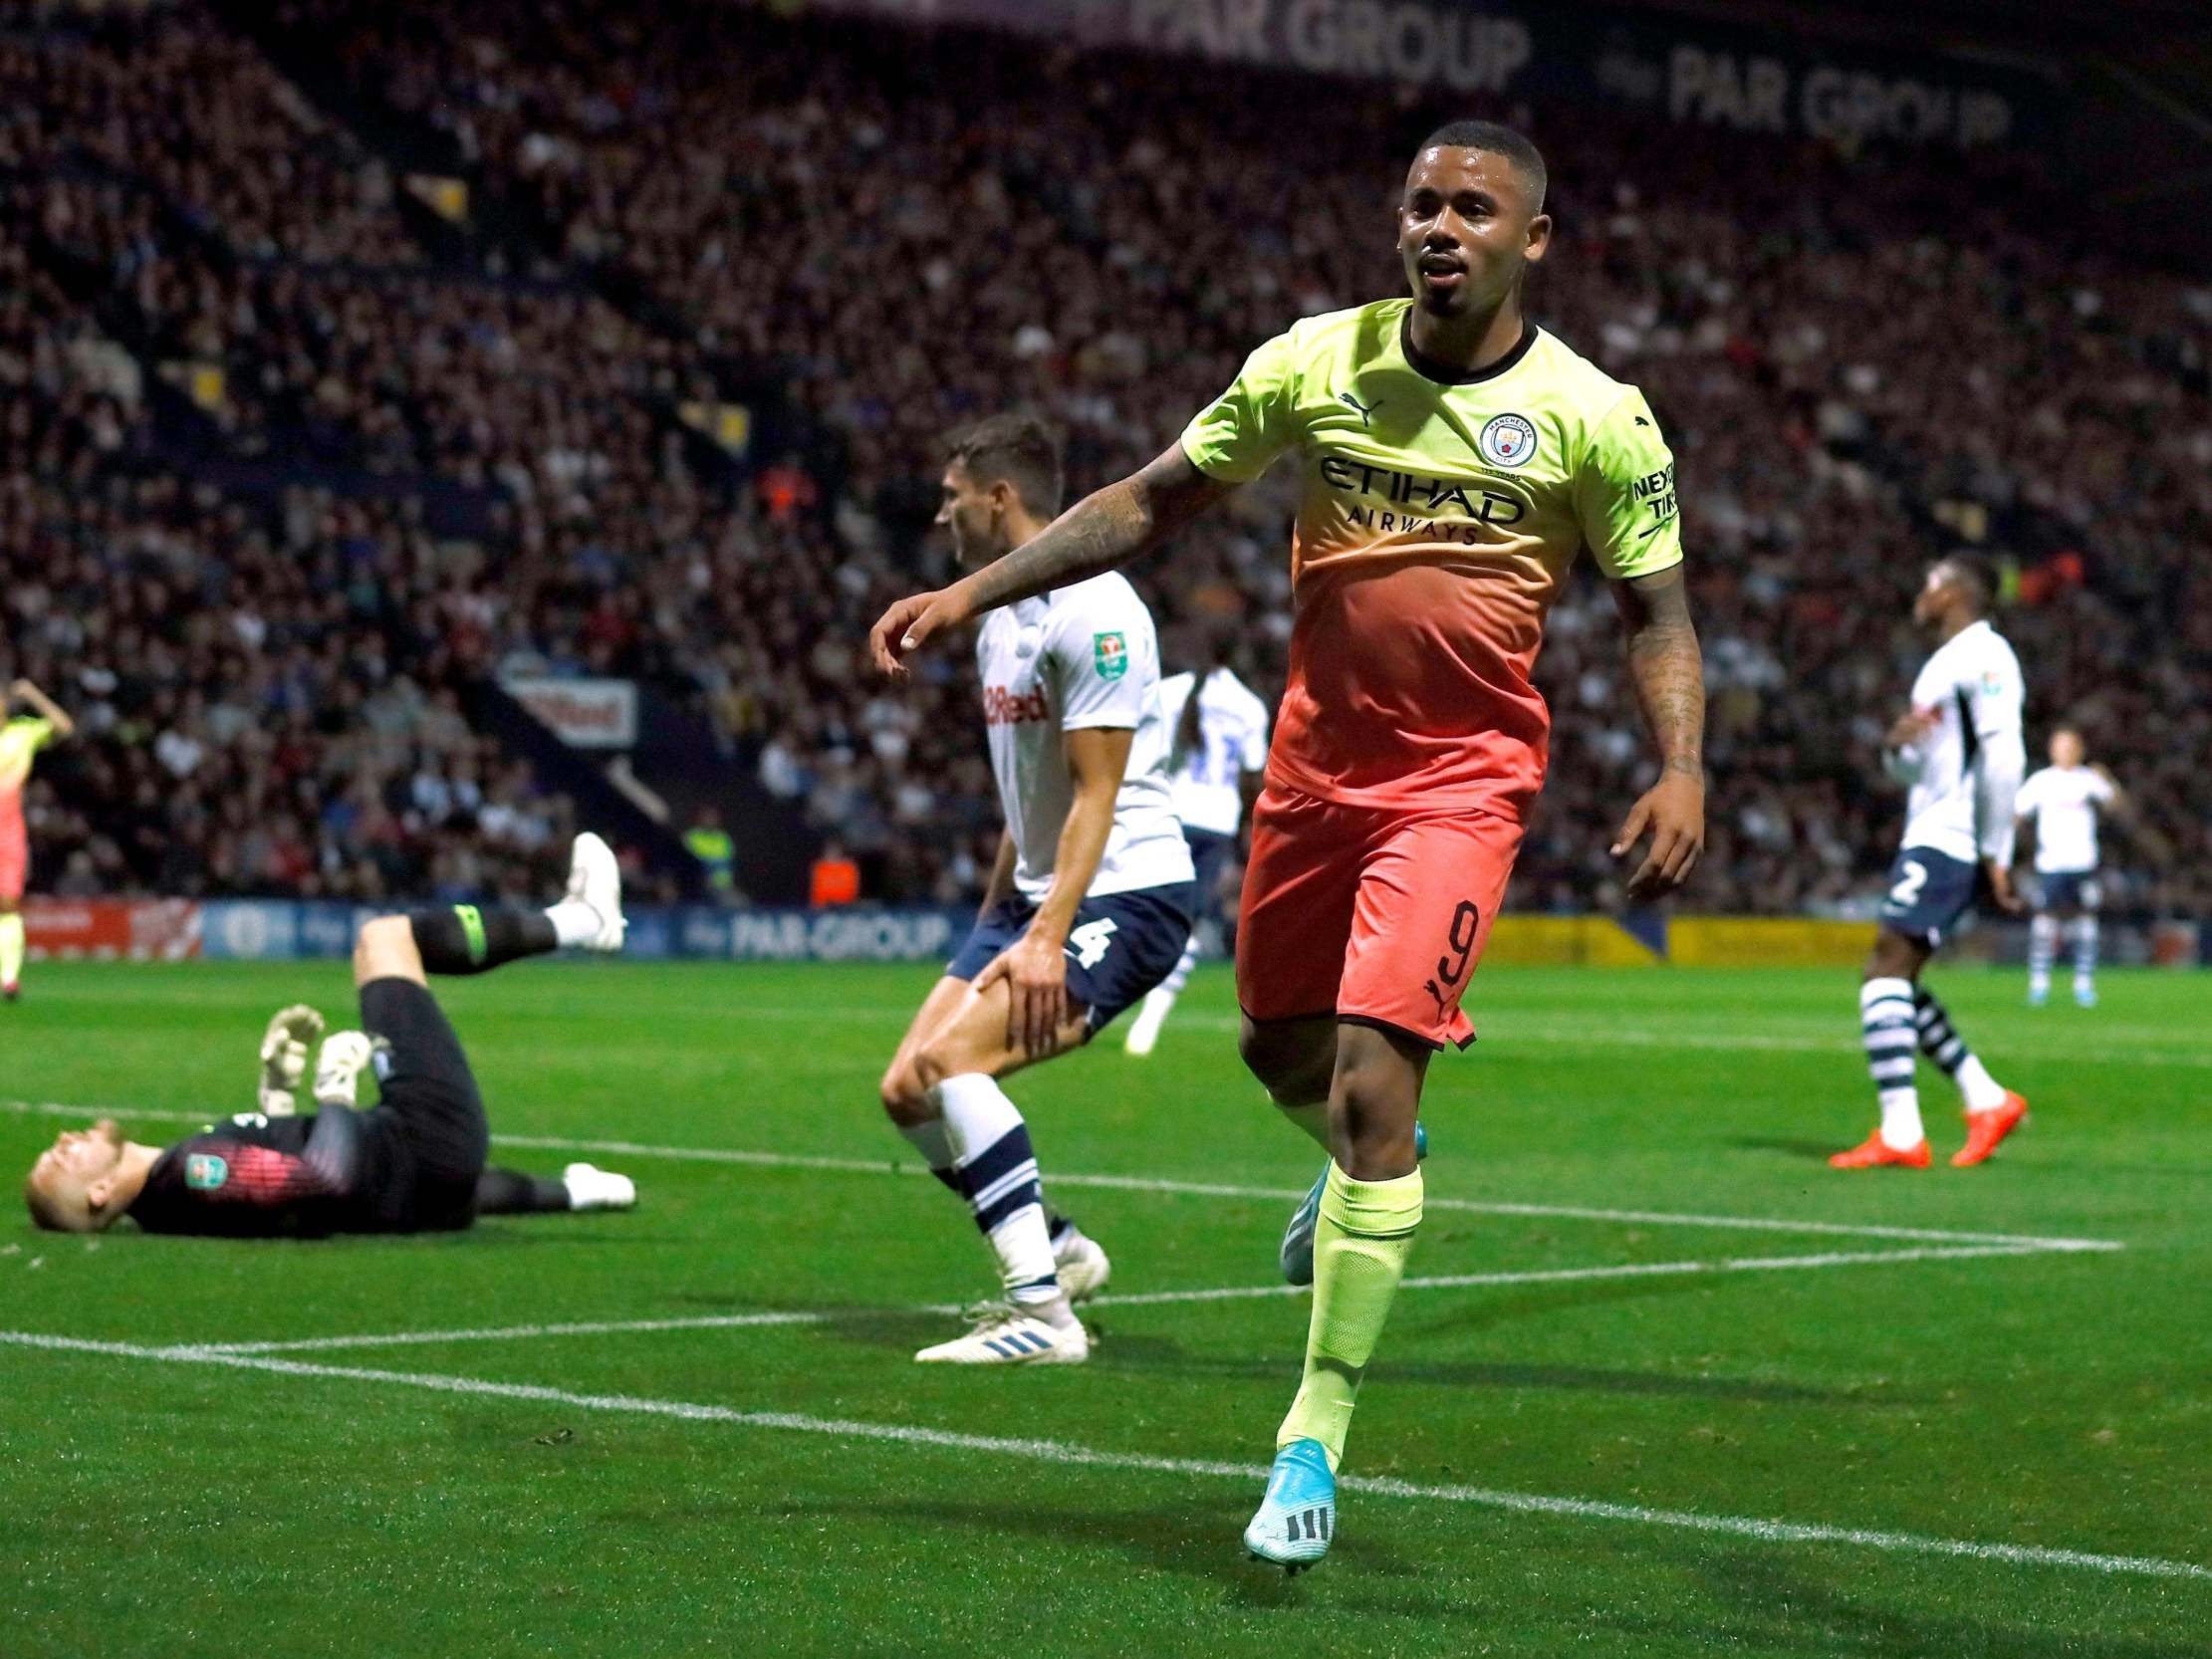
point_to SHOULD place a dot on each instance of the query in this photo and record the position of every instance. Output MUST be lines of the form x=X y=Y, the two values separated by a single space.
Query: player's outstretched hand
x=908 y=626
x=285 y=1044
x=284 y=1049
x=1035 y=973
x=1672 y=811
x=2001 y=887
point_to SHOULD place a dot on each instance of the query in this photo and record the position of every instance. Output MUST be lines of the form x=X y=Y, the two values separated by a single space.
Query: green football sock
x=1360 y=1244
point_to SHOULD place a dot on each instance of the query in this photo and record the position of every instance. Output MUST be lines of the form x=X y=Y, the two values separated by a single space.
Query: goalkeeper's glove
x=284 y=1048
x=346 y=1054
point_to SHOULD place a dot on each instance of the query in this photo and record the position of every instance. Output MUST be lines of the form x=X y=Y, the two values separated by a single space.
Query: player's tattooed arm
x=25 y=692
x=1106 y=529
x=1669 y=676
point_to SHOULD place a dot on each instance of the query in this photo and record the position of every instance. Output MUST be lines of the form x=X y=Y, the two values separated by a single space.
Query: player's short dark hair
x=1497 y=139
x=1020 y=449
x=1974 y=573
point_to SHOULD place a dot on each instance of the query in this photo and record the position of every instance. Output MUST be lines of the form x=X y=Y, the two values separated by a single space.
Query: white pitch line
x=1511 y=1029
x=1143 y=1299
x=515 y=1332
x=1216 y=1189
x=1197 y=1189
x=1066 y=1453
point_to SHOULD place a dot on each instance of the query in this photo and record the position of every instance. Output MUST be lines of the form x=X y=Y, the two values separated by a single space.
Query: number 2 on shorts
x=1910 y=884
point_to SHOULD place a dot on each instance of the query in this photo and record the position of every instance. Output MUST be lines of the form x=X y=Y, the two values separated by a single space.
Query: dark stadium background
x=371 y=366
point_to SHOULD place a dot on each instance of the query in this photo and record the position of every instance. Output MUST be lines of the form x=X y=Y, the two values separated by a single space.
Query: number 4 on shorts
x=1088 y=944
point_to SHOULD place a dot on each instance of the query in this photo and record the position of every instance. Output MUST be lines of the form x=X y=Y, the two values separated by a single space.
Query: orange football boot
x=1873 y=1152
x=1984 y=1129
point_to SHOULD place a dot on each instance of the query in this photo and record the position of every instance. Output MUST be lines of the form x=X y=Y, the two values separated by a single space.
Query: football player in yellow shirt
x=21 y=738
x=1454 y=459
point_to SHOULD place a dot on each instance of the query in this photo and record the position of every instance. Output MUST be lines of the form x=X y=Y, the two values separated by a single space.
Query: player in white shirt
x=1089 y=904
x=2063 y=801
x=1219 y=742
x=1960 y=749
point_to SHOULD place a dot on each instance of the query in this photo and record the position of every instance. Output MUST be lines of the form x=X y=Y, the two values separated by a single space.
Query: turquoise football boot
x=1298 y=1517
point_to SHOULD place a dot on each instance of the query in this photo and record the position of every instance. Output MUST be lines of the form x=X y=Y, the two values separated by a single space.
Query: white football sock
x=2042 y=945
x=1982 y=1092
x=931 y=1141
x=2084 y=953
x=1901 y=1130
x=573 y=922
x=1887 y=1025
x=997 y=1173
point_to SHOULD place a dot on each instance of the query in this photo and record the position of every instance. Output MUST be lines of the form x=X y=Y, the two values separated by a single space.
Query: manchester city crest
x=1506 y=441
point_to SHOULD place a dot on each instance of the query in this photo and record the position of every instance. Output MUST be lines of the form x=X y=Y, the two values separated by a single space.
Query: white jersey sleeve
x=1105 y=657
x=1992 y=694
x=2029 y=801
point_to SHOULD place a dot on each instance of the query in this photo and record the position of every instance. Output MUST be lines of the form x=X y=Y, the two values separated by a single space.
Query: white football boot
x=1151 y=1013
x=1082 y=1265
x=599 y=1189
x=1005 y=1333
x=595 y=881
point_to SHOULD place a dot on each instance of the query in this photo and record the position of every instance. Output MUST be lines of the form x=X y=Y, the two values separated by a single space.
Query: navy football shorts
x=1930 y=892
x=1123 y=944
x=2072 y=889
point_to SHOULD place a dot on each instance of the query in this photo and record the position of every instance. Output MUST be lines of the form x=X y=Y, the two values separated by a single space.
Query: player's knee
x=935 y=1061
x=1893 y=956
x=1374 y=1103
x=906 y=1096
x=1288 y=1064
x=385 y=948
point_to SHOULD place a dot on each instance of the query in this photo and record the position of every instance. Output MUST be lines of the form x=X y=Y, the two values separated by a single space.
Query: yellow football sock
x=1360 y=1244
x=11 y=947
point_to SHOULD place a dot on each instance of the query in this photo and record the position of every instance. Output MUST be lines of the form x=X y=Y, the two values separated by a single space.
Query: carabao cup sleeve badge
x=1111 y=651
x=1506 y=441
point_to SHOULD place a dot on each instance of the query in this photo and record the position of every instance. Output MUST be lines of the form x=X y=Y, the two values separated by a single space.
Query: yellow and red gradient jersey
x=1440 y=513
x=20 y=740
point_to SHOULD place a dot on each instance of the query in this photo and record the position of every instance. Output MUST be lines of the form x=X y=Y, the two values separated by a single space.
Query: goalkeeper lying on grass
x=413 y=1163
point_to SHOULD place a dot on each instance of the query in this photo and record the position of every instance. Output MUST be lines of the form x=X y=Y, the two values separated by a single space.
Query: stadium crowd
x=879 y=235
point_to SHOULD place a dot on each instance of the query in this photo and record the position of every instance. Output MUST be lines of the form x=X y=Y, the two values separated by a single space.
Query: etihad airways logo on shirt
x=1002 y=707
x=1411 y=489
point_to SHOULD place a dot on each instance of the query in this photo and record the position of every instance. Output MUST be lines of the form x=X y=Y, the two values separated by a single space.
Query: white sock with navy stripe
x=1886 y=1022
x=996 y=1172
x=935 y=1146
x=1942 y=1042
x=2042 y=945
x=2084 y=954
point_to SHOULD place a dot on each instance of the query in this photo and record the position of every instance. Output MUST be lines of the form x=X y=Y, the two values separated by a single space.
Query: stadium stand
x=306 y=450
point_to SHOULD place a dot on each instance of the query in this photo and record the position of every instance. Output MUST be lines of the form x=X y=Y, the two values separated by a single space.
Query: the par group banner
x=1674 y=69
x=283 y=930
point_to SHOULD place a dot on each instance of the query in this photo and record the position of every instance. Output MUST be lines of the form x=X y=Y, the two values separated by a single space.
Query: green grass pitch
x=741 y=1487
